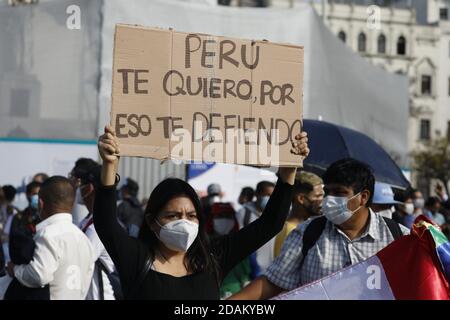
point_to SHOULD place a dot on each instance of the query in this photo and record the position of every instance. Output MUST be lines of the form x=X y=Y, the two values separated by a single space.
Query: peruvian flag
x=414 y=267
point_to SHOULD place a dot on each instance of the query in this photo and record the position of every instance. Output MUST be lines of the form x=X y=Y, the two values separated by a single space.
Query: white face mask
x=336 y=210
x=419 y=203
x=178 y=235
x=409 y=208
x=223 y=225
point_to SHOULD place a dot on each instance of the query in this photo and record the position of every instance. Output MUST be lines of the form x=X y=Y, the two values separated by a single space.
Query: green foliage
x=433 y=162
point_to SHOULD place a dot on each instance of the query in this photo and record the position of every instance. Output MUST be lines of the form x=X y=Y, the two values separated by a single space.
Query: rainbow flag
x=414 y=267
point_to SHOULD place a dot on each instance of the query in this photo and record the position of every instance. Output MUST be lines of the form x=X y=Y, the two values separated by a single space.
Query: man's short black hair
x=351 y=173
x=57 y=192
x=32 y=185
x=10 y=192
x=91 y=175
x=83 y=166
x=248 y=192
x=262 y=185
x=403 y=195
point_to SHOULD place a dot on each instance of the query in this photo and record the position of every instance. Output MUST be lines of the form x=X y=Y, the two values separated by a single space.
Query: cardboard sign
x=196 y=97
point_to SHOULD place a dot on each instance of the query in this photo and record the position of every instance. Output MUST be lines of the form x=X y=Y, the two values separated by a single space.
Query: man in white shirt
x=63 y=256
x=100 y=288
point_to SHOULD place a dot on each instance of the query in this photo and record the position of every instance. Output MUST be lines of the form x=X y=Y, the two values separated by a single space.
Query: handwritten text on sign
x=239 y=100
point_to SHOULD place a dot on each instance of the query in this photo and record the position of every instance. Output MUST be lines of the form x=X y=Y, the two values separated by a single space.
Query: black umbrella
x=329 y=142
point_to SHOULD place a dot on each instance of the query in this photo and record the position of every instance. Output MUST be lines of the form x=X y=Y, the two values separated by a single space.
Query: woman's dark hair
x=199 y=257
x=351 y=173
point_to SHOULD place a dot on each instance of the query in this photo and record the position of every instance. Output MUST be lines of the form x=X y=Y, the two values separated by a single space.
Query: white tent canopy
x=339 y=85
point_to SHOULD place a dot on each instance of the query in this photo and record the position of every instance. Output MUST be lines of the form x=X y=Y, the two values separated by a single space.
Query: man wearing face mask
x=418 y=201
x=405 y=211
x=251 y=211
x=347 y=233
x=101 y=287
x=214 y=195
x=82 y=165
x=306 y=203
x=383 y=200
x=222 y=221
x=24 y=223
x=22 y=246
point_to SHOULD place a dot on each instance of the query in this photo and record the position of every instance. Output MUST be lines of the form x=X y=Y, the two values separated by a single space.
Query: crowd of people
x=87 y=236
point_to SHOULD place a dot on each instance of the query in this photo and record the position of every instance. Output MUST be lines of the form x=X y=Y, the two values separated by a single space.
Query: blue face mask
x=336 y=209
x=34 y=201
x=262 y=202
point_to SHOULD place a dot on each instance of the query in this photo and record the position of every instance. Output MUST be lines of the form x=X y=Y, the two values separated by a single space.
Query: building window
x=362 y=42
x=426 y=85
x=381 y=43
x=401 y=45
x=342 y=36
x=425 y=129
x=443 y=13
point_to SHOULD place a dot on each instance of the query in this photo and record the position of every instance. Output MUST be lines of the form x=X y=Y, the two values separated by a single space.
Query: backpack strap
x=394 y=228
x=137 y=284
x=312 y=233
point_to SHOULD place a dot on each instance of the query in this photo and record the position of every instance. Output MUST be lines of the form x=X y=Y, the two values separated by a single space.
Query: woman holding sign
x=173 y=257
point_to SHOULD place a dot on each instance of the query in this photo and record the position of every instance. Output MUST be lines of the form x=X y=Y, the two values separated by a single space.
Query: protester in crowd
x=63 y=257
x=246 y=195
x=432 y=208
x=82 y=165
x=173 y=259
x=347 y=233
x=306 y=203
x=22 y=246
x=19 y=244
x=383 y=200
x=214 y=195
x=251 y=211
x=222 y=221
x=101 y=287
x=418 y=201
x=7 y=214
x=404 y=213
x=129 y=211
x=25 y=222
